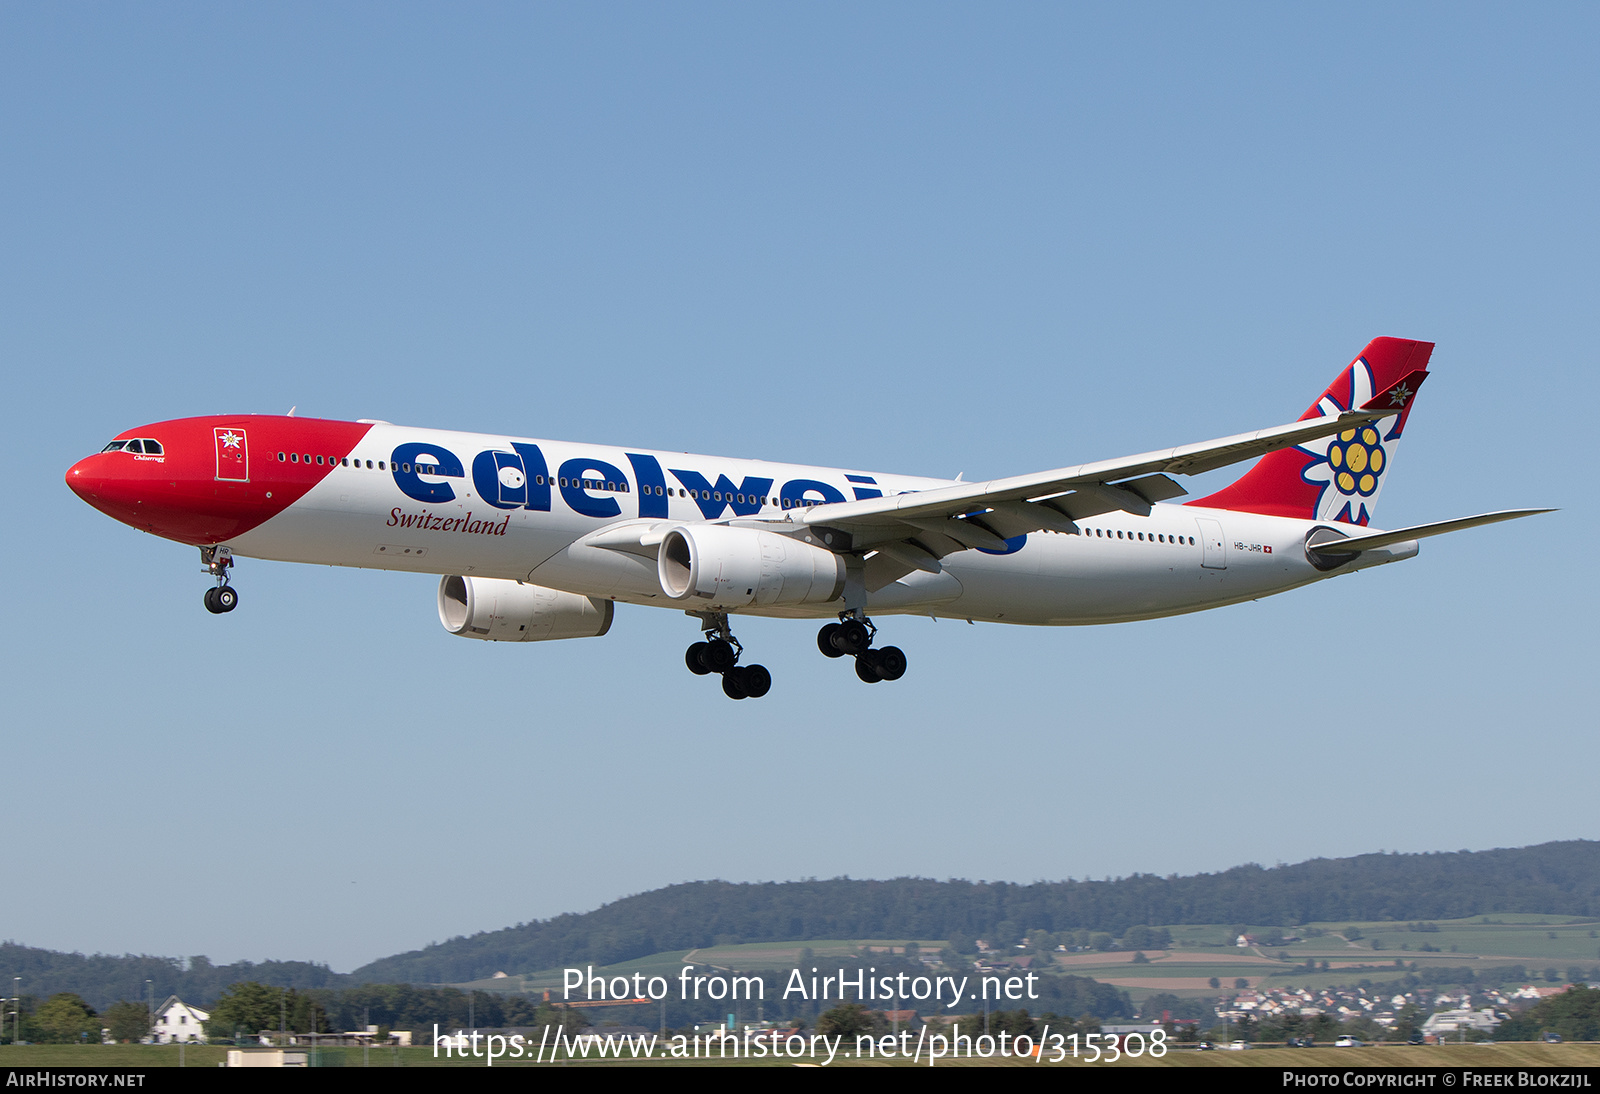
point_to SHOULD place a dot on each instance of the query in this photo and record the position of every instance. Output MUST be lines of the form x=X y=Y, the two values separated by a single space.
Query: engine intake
x=720 y=567
x=498 y=610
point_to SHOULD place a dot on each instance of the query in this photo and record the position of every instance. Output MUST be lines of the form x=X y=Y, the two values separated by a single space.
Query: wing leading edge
x=912 y=531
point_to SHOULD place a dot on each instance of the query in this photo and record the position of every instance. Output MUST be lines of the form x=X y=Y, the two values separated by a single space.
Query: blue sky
x=918 y=238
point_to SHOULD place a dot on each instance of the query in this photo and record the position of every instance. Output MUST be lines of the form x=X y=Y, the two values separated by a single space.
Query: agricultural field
x=1379 y=951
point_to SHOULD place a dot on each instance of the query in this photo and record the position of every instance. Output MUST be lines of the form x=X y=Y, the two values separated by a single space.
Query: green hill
x=1553 y=878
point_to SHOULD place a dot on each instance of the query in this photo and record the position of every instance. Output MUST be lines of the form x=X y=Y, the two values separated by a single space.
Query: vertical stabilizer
x=1339 y=477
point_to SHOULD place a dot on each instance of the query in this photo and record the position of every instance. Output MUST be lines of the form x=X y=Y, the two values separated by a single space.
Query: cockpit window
x=139 y=444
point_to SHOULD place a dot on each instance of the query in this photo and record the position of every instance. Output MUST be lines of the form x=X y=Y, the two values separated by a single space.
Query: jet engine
x=497 y=610
x=717 y=567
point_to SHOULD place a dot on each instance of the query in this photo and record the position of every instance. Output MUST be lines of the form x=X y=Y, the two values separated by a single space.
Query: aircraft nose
x=98 y=481
x=85 y=477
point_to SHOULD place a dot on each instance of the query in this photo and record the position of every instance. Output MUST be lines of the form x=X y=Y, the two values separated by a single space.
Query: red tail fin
x=1338 y=478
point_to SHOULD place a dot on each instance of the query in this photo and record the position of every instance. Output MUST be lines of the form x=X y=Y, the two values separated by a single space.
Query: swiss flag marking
x=233 y=456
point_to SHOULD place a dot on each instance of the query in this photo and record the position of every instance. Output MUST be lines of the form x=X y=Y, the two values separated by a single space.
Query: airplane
x=539 y=540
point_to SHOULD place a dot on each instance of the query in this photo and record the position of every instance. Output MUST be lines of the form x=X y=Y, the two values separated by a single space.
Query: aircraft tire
x=757 y=681
x=719 y=656
x=693 y=658
x=891 y=663
x=733 y=684
x=227 y=598
x=867 y=667
x=211 y=602
x=851 y=637
x=825 y=640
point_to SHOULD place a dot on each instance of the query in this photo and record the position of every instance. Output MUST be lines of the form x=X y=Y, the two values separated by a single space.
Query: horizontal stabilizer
x=1357 y=544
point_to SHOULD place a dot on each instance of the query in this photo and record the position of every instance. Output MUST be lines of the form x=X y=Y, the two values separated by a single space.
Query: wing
x=912 y=531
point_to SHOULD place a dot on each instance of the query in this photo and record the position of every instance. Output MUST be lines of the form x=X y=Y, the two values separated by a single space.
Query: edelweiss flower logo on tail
x=1348 y=468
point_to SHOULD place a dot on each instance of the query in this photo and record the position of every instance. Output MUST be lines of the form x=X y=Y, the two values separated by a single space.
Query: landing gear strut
x=224 y=597
x=852 y=636
x=719 y=653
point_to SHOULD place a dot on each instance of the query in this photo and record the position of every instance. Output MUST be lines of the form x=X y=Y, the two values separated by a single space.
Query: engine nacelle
x=719 y=567
x=513 y=611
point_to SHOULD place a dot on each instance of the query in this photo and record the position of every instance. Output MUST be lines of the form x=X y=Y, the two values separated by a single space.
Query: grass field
x=1530 y=1055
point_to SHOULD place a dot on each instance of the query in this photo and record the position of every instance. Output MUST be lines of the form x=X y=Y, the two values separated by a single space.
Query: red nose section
x=208 y=480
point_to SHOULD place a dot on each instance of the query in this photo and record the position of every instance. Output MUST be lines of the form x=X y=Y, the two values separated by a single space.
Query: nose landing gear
x=852 y=636
x=224 y=597
x=719 y=653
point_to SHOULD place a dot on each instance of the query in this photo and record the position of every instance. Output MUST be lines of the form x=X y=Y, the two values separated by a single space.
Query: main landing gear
x=852 y=636
x=719 y=653
x=224 y=597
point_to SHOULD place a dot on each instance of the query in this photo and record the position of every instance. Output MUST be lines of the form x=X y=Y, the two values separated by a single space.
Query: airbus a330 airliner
x=539 y=539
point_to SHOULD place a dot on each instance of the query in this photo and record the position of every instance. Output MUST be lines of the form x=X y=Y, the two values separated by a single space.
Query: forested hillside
x=102 y=979
x=1553 y=878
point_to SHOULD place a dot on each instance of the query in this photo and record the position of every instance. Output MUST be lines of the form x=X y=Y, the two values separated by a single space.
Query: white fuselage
x=1118 y=567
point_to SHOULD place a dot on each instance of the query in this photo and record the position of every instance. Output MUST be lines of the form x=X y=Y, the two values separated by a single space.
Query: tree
x=66 y=1019
x=1214 y=982
x=245 y=1008
x=1574 y=1014
x=1407 y=1022
x=846 y=1020
x=129 y=1023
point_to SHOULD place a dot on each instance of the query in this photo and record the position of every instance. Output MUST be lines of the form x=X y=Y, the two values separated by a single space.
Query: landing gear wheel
x=211 y=602
x=891 y=663
x=851 y=637
x=719 y=656
x=226 y=598
x=694 y=658
x=757 y=681
x=867 y=667
x=733 y=684
x=825 y=640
